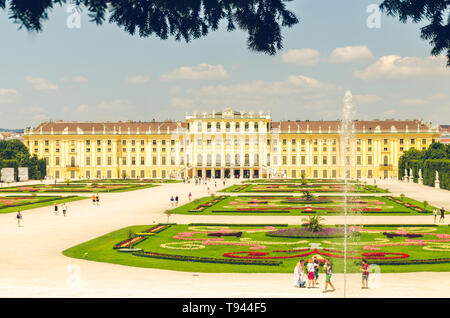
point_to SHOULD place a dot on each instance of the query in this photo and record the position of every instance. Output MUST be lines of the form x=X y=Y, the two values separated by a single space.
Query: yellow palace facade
x=224 y=144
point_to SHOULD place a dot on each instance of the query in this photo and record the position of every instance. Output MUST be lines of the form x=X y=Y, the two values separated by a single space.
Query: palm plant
x=312 y=223
x=307 y=196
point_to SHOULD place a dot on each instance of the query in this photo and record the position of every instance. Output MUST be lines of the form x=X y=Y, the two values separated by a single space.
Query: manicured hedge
x=230 y=224
x=206 y=259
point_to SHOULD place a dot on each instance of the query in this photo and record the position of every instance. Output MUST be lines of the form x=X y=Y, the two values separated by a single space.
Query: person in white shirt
x=310 y=268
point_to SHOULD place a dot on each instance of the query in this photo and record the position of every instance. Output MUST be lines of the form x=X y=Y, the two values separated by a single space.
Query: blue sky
x=104 y=74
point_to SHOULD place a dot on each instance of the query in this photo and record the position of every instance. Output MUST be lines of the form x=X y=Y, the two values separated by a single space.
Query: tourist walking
x=442 y=215
x=328 y=272
x=64 y=209
x=93 y=199
x=299 y=272
x=207 y=189
x=365 y=274
x=435 y=212
x=316 y=271
x=97 y=199
x=310 y=269
x=56 y=209
x=176 y=200
x=19 y=219
x=171 y=201
x=190 y=196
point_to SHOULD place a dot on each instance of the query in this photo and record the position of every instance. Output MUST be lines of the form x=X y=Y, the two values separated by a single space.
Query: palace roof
x=123 y=128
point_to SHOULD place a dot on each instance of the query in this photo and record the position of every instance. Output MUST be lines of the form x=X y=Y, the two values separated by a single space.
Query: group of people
x=96 y=199
x=174 y=201
x=435 y=213
x=311 y=271
x=64 y=209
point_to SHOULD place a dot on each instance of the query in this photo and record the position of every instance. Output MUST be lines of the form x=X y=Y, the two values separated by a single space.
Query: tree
x=181 y=19
x=14 y=154
x=130 y=236
x=425 y=204
x=168 y=213
x=437 y=32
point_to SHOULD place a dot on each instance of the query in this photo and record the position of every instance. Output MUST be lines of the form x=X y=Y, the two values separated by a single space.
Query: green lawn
x=172 y=242
x=33 y=202
x=301 y=188
x=290 y=205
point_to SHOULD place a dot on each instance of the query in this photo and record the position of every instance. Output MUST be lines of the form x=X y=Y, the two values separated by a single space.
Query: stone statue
x=420 y=173
x=437 y=175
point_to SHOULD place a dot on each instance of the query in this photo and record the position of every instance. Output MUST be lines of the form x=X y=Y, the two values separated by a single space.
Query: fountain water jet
x=346 y=136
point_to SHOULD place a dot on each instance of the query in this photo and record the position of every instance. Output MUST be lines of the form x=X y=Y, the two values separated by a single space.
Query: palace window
x=303 y=160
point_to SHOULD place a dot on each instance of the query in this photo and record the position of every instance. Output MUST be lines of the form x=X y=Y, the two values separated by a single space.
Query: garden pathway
x=32 y=265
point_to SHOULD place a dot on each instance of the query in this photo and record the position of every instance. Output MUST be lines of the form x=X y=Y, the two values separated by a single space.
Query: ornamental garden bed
x=252 y=248
x=306 y=181
x=10 y=204
x=76 y=188
x=289 y=205
x=300 y=188
x=124 y=181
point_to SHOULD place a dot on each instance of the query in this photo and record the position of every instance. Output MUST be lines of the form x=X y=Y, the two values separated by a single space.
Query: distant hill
x=20 y=131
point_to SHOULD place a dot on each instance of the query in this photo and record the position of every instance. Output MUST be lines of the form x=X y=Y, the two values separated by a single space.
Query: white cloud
x=294 y=95
x=81 y=108
x=397 y=67
x=115 y=105
x=74 y=79
x=41 y=84
x=182 y=103
x=199 y=72
x=304 y=57
x=138 y=79
x=79 y=79
x=366 y=99
x=7 y=95
x=350 y=54
x=31 y=110
x=414 y=101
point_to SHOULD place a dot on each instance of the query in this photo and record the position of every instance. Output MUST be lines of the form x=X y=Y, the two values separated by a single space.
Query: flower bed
x=413 y=261
x=204 y=206
x=409 y=235
x=206 y=259
x=140 y=237
x=328 y=232
x=408 y=205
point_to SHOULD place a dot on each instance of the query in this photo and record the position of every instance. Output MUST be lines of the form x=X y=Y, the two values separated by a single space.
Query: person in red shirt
x=365 y=274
